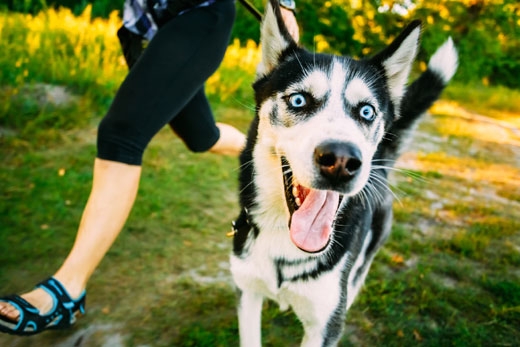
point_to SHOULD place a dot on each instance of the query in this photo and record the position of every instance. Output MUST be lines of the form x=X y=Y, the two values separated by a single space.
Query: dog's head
x=321 y=119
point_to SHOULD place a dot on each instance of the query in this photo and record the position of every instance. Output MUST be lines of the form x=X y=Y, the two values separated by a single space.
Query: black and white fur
x=329 y=127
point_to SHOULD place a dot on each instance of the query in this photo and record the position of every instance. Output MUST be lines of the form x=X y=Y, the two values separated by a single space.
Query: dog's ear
x=274 y=37
x=397 y=60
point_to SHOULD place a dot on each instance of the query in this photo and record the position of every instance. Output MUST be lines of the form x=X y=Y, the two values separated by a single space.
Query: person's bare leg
x=114 y=189
x=231 y=141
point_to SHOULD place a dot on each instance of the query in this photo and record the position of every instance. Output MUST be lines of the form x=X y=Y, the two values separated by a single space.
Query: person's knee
x=121 y=141
x=197 y=146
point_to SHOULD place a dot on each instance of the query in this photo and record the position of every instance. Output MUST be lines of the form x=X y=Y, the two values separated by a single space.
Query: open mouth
x=312 y=212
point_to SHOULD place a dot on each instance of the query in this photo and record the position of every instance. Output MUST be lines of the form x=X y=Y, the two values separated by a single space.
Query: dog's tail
x=419 y=96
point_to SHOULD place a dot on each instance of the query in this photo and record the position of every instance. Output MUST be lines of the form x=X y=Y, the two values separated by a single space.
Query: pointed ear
x=274 y=37
x=397 y=59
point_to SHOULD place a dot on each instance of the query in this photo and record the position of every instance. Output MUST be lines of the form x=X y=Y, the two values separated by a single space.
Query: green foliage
x=100 y=8
x=246 y=26
x=486 y=32
x=480 y=98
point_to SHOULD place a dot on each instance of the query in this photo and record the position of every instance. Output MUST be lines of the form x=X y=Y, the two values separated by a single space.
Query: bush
x=486 y=32
x=51 y=54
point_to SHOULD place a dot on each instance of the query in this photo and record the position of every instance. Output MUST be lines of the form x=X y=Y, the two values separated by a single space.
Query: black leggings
x=166 y=86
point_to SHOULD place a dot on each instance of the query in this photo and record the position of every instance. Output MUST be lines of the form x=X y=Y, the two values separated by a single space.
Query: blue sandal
x=30 y=322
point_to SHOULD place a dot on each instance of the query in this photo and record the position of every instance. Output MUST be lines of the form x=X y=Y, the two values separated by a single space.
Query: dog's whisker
x=245 y=187
x=286 y=169
x=372 y=193
x=384 y=160
x=248 y=106
x=408 y=173
x=390 y=136
x=365 y=199
x=300 y=63
x=374 y=187
x=244 y=165
x=383 y=183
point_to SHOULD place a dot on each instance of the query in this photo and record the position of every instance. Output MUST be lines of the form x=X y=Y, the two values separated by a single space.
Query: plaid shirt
x=137 y=17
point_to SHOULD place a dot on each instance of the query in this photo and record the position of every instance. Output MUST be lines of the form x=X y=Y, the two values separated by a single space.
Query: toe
x=9 y=312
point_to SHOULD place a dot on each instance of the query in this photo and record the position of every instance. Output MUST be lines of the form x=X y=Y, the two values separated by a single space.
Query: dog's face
x=325 y=116
x=321 y=118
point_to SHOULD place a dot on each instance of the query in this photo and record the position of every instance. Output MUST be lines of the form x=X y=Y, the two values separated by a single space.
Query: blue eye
x=297 y=100
x=367 y=112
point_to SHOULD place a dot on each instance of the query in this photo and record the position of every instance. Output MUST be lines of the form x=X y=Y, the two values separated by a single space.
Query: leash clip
x=242 y=220
x=233 y=230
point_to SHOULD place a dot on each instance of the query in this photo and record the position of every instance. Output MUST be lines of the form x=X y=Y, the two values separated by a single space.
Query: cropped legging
x=166 y=86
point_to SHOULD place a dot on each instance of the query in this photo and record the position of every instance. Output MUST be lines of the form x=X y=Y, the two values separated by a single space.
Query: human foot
x=38 y=298
x=53 y=308
x=231 y=141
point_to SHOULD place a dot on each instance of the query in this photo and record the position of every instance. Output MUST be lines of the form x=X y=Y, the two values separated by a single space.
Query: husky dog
x=313 y=179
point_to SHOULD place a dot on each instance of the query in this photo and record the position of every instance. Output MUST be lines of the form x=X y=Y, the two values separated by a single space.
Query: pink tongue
x=311 y=224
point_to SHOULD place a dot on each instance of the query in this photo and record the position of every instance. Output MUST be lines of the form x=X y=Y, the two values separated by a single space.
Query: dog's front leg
x=249 y=319
x=325 y=335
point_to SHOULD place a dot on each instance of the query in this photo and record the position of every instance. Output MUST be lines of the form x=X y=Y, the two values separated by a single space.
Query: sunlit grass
x=496 y=100
x=464 y=121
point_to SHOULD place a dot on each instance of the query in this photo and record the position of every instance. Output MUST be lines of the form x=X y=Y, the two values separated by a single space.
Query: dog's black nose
x=338 y=161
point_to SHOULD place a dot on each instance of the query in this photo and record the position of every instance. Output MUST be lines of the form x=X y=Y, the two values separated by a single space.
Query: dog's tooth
x=298 y=202
x=295 y=191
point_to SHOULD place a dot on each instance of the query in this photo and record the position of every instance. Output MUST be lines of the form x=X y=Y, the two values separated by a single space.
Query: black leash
x=252 y=9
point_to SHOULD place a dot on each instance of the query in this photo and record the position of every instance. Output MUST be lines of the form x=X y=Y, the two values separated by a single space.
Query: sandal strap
x=20 y=302
x=63 y=302
x=30 y=321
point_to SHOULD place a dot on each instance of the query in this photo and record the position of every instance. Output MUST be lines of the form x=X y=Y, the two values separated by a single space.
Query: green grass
x=485 y=98
x=448 y=276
